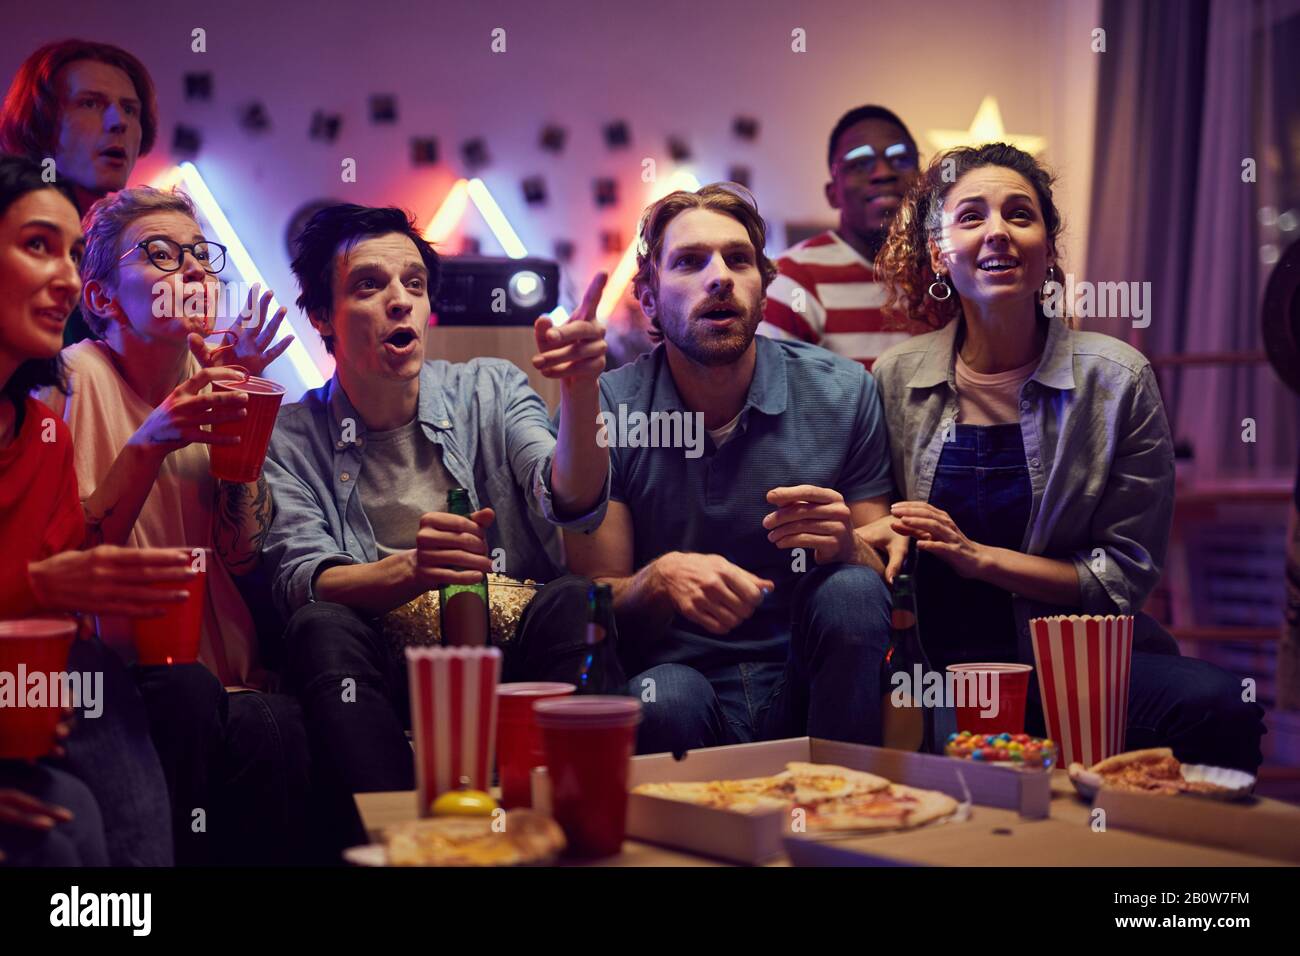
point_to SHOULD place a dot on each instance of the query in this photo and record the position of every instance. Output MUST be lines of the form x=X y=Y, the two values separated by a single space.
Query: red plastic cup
x=31 y=646
x=174 y=637
x=243 y=462
x=589 y=743
x=1006 y=684
x=519 y=740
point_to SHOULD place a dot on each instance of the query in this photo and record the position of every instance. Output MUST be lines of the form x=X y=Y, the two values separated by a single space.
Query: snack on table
x=1154 y=771
x=833 y=798
x=528 y=838
x=1019 y=750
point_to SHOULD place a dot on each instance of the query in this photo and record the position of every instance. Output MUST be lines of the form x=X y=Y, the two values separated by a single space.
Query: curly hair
x=730 y=199
x=903 y=264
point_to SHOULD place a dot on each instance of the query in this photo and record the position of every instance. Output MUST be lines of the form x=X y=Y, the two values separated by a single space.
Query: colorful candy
x=1017 y=749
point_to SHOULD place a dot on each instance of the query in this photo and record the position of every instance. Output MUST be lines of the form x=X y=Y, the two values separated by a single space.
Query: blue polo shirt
x=811 y=417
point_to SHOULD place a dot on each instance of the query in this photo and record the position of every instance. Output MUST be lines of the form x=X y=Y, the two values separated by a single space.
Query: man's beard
x=709 y=347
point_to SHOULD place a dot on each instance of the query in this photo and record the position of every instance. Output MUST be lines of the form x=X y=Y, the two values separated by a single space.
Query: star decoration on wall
x=986 y=127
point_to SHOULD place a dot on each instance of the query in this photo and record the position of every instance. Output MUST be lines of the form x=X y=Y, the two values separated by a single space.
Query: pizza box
x=757 y=837
x=1266 y=828
x=1071 y=837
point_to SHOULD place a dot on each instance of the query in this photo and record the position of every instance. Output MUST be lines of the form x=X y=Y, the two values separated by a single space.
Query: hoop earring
x=942 y=283
x=1051 y=277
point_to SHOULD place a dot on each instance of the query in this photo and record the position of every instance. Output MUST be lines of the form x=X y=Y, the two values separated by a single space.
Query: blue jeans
x=78 y=842
x=114 y=756
x=828 y=686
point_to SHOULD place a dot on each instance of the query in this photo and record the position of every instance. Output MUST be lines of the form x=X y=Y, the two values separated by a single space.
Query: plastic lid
x=535 y=688
x=38 y=627
x=583 y=712
x=992 y=666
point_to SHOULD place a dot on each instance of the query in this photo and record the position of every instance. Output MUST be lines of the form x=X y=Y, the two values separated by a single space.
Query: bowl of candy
x=1016 y=751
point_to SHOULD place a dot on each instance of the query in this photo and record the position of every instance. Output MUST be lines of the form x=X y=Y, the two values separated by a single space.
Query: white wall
x=681 y=67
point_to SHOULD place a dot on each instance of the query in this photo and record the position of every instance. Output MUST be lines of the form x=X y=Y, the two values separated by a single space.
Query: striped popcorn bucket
x=453 y=717
x=1083 y=668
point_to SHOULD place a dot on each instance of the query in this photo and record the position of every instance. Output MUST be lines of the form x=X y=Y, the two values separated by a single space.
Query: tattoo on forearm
x=243 y=521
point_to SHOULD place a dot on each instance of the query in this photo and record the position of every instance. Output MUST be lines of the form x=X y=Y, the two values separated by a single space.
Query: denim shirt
x=1097 y=443
x=496 y=441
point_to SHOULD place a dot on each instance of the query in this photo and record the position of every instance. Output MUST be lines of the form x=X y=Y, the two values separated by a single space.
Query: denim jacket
x=1098 y=449
x=496 y=441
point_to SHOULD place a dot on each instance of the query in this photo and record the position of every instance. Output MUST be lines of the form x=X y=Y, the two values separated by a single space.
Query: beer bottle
x=907 y=725
x=463 y=608
x=593 y=675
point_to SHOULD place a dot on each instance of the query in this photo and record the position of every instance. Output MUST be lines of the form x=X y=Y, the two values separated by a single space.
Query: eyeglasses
x=900 y=157
x=168 y=254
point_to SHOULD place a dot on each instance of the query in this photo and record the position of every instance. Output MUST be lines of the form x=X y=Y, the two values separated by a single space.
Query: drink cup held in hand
x=1083 y=668
x=520 y=748
x=991 y=697
x=174 y=637
x=453 y=717
x=28 y=716
x=589 y=743
x=242 y=462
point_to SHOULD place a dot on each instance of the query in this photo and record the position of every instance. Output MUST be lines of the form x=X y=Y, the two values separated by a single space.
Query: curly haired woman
x=1034 y=460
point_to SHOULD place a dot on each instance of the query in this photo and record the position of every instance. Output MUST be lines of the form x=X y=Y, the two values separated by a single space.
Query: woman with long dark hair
x=43 y=570
x=1034 y=459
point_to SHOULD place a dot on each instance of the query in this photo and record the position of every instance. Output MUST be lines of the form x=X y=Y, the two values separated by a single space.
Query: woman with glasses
x=138 y=405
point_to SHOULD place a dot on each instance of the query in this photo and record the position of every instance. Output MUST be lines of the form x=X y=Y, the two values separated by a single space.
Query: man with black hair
x=360 y=471
x=826 y=292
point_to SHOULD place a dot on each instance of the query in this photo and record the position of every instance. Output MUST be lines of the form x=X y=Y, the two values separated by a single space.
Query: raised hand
x=254 y=347
x=575 y=351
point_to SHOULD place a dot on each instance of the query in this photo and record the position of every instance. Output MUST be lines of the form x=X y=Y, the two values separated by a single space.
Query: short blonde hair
x=104 y=224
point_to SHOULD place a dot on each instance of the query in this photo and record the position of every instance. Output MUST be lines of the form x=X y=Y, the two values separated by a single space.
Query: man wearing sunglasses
x=138 y=408
x=825 y=291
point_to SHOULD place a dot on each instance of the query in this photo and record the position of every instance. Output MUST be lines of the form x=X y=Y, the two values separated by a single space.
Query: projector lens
x=526 y=289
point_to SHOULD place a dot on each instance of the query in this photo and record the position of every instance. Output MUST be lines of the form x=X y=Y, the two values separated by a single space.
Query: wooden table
x=993 y=837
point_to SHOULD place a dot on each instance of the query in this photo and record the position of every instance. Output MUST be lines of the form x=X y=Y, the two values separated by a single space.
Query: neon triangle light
x=626 y=268
x=187 y=175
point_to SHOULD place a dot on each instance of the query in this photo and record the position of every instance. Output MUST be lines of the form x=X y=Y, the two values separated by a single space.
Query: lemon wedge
x=463 y=803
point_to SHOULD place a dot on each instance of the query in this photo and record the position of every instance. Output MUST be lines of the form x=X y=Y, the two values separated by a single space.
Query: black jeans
x=237 y=768
x=355 y=696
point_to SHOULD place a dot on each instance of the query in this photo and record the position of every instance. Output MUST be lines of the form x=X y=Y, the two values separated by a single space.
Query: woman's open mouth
x=999 y=265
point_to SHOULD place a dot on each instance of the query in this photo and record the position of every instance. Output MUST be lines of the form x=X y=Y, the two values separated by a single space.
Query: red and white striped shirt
x=827 y=294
